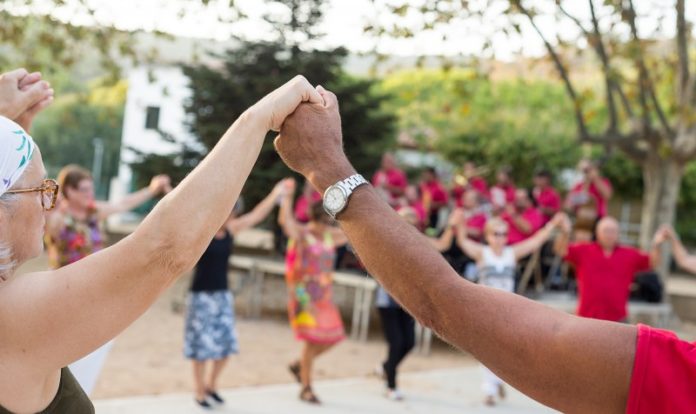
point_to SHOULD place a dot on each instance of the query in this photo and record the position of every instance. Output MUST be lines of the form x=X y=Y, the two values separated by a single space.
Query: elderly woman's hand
x=23 y=95
x=279 y=104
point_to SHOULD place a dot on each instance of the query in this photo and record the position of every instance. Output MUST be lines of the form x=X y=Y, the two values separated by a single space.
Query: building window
x=152 y=117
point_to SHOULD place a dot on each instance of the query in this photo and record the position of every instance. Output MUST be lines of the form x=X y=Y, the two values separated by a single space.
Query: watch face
x=334 y=200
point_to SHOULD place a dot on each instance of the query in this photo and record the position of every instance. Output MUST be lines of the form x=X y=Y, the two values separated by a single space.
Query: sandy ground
x=147 y=357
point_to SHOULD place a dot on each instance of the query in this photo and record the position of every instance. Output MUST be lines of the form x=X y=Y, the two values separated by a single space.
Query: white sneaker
x=395 y=395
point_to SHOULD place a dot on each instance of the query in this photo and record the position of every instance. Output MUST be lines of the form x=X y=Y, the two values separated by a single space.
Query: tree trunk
x=661 y=183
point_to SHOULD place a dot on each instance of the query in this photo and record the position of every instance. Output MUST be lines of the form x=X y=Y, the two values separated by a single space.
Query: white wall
x=165 y=87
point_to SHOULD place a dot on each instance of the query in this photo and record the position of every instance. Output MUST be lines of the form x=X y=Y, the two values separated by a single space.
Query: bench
x=258 y=268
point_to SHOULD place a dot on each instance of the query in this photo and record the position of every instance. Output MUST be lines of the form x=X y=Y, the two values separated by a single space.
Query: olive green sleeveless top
x=70 y=398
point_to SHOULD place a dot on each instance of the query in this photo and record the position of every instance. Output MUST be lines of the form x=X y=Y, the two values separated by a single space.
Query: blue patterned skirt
x=210 y=332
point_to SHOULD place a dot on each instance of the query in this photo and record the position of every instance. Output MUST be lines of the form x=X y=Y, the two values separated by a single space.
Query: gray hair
x=7 y=204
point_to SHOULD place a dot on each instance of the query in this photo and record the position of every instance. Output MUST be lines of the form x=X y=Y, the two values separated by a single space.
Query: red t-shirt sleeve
x=664 y=374
x=642 y=262
x=574 y=253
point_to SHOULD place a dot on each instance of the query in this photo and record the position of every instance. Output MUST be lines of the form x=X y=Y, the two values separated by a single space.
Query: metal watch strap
x=352 y=182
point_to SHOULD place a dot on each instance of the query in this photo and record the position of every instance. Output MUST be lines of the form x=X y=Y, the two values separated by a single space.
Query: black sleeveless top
x=211 y=269
x=70 y=398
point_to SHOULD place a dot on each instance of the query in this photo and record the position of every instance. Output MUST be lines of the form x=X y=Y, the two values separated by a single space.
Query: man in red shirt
x=546 y=197
x=503 y=192
x=572 y=364
x=475 y=218
x=434 y=195
x=473 y=182
x=390 y=180
x=605 y=271
x=522 y=217
x=594 y=186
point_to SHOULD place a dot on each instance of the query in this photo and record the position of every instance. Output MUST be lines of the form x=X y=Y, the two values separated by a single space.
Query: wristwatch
x=336 y=197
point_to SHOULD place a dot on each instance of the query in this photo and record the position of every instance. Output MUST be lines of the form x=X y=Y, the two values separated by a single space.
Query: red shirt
x=508 y=191
x=475 y=183
x=302 y=206
x=547 y=198
x=594 y=192
x=664 y=374
x=532 y=216
x=436 y=191
x=604 y=282
x=394 y=178
x=477 y=222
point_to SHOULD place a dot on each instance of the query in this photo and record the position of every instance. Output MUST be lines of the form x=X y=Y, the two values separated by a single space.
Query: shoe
x=501 y=392
x=204 y=404
x=215 y=396
x=489 y=401
x=395 y=395
x=294 y=369
x=307 y=395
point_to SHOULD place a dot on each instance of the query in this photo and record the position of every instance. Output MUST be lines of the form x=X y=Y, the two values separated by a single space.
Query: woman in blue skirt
x=210 y=334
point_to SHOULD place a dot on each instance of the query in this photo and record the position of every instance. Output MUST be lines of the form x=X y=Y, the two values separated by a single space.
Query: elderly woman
x=50 y=319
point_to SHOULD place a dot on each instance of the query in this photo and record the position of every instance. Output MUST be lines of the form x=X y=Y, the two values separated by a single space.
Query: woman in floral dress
x=310 y=258
x=73 y=232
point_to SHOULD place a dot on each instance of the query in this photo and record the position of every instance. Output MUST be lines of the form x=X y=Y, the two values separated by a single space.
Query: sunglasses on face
x=500 y=234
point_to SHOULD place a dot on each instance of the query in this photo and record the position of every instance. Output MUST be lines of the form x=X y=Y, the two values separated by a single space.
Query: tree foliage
x=248 y=72
x=625 y=48
x=65 y=132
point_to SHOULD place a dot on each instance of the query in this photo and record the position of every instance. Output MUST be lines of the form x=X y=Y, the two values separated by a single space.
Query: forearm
x=134 y=200
x=682 y=257
x=445 y=241
x=522 y=224
x=603 y=188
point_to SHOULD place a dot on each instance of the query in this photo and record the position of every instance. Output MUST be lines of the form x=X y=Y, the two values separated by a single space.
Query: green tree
x=65 y=132
x=524 y=125
x=645 y=86
x=247 y=73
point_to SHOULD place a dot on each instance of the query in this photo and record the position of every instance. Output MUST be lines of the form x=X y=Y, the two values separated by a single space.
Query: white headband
x=16 y=150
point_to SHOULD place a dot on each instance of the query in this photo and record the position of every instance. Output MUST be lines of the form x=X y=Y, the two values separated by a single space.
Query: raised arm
x=560 y=243
x=444 y=242
x=159 y=184
x=69 y=312
x=530 y=245
x=685 y=260
x=502 y=330
x=258 y=213
x=286 y=219
x=471 y=248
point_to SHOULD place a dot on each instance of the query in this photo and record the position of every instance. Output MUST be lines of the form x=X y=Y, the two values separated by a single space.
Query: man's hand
x=311 y=142
x=23 y=95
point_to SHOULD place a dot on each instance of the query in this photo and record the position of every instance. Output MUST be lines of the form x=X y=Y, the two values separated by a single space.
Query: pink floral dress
x=309 y=265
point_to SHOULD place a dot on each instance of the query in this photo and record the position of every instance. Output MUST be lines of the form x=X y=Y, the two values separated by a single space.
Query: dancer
x=397 y=324
x=497 y=264
x=210 y=335
x=310 y=262
x=51 y=319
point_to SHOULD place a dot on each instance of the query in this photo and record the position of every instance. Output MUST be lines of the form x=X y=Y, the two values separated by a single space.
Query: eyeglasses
x=500 y=234
x=49 y=193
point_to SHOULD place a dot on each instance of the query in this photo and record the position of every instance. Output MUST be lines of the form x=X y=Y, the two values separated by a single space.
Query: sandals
x=294 y=369
x=307 y=395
